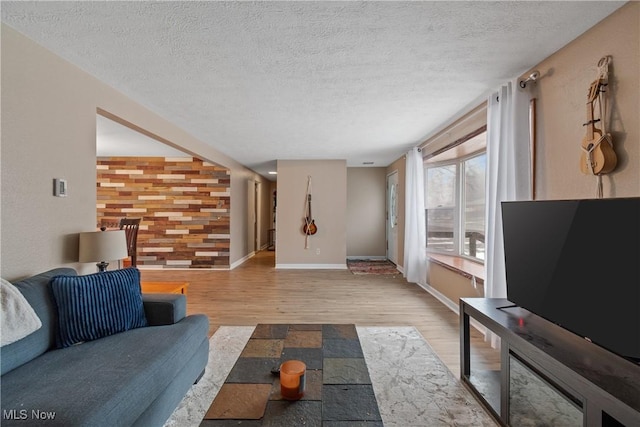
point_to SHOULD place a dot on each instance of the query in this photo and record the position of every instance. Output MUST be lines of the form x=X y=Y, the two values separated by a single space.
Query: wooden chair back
x=130 y=227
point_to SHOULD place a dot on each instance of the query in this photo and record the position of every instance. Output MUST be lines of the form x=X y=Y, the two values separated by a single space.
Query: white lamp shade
x=103 y=246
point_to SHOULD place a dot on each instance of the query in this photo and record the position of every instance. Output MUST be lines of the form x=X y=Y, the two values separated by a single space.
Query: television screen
x=577 y=264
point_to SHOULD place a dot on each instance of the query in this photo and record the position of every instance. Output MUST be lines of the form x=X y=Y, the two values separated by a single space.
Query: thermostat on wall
x=60 y=187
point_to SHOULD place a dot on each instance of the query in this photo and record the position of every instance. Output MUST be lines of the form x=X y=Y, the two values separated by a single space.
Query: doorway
x=183 y=201
x=392 y=217
x=256 y=215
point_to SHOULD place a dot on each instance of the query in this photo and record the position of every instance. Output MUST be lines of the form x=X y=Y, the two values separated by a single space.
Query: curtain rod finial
x=533 y=77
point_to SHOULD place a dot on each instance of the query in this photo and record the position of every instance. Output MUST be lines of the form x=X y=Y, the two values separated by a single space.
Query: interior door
x=392 y=217
x=256 y=216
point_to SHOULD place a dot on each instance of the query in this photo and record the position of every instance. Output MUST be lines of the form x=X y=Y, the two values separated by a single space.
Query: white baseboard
x=367 y=257
x=242 y=260
x=451 y=305
x=311 y=266
x=442 y=298
x=400 y=268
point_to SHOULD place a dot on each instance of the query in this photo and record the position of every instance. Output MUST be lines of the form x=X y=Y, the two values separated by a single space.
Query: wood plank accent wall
x=184 y=204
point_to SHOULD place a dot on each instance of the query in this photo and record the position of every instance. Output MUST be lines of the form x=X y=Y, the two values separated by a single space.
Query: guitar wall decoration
x=598 y=156
x=597 y=147
x=309 y=228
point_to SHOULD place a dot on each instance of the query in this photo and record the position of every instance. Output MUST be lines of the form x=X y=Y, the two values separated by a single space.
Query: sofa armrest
x=164 y=309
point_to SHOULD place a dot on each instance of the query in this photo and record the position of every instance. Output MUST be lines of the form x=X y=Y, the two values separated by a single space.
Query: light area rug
x=412 y=386
x=225 y=347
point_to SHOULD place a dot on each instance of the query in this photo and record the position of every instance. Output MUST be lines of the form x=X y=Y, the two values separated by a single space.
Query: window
x=474 y=202
x=441 y=207
x=455 y=199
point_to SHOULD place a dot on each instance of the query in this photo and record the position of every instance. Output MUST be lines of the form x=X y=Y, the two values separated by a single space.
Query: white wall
x=49 y=131
x=366 y=212
x=327 y=248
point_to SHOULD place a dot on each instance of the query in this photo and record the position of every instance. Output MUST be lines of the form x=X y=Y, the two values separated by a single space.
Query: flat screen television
x=577 y=264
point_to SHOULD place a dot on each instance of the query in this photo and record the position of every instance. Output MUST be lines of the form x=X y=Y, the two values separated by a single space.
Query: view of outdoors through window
x=441 y=207
x=474 y=202
x=455 y=204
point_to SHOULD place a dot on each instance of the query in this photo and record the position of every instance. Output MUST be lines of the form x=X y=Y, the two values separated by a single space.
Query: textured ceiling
x=362 y=81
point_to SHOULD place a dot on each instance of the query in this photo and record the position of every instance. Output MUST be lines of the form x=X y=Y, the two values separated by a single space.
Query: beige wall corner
x=327 y=248
x=366 y=212
x=562 y=95
x=49 y=131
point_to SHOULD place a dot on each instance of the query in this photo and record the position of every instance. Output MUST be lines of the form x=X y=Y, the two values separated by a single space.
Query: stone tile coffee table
x=338 y=388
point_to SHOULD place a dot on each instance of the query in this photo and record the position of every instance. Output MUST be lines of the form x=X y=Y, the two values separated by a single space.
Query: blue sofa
x=137 y=377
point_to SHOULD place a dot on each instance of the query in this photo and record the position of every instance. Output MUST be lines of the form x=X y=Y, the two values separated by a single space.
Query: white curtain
x=415 y=238
x=508 y=175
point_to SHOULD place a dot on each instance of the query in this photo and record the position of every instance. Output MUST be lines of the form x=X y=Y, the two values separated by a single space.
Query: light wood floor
x=256 y=292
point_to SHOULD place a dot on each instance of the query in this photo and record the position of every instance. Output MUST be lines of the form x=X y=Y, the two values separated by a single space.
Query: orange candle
x=292 y=379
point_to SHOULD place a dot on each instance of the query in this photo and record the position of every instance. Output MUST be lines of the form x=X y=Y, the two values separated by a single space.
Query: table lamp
x=102 y=246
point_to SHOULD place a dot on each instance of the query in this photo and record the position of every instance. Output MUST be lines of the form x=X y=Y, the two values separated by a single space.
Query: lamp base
x=102 y=266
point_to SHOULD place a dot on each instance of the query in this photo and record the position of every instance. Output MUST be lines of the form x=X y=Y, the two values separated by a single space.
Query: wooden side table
x=164 y=287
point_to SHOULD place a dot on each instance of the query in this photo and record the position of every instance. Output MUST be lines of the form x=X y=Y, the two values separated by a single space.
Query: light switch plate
x=60 y=187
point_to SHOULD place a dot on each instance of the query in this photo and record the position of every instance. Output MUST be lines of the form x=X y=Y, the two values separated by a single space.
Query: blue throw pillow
x=97 y=305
